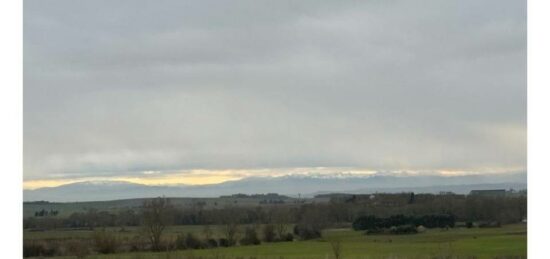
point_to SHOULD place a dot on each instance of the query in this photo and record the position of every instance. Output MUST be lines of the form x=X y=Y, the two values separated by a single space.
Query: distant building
x=446 y=193
x=489 y=193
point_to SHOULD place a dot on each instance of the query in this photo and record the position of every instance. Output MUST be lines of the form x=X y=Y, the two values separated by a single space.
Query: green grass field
x=505 y=242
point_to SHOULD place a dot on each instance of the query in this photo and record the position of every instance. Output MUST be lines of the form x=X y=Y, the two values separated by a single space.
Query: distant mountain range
x=304 y=185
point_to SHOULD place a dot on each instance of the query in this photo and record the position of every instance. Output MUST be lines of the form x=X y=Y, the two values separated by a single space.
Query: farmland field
x=507 y=241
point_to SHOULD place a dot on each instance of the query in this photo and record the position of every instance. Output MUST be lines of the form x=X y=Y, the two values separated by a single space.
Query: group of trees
x=430 y=221
x=158 y=213
x=464 y=207
x=45 y=213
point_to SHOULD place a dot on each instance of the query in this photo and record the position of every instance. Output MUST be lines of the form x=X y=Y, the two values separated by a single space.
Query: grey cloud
x=124 y=86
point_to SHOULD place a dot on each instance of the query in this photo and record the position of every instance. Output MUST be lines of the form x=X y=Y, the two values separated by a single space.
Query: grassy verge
x=508 y=241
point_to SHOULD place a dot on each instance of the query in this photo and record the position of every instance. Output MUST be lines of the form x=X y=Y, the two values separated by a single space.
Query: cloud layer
x=122 y=87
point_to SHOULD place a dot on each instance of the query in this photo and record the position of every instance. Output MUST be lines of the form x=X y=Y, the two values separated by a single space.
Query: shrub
x=269 y=233
x=429 y=221
x=34 y=248
x=137 y=243
x=167 y=245
x=374 y=231
x=105 y=242
x=306 y=232
x=211 y=243
x=365 y=222
x=188 y=241
x=436 y=220
x=288 y=237
x=180 y=242
x=223 y=242
x=250 y=237
x=77 y=248
x=398 y=220
x=403 y=229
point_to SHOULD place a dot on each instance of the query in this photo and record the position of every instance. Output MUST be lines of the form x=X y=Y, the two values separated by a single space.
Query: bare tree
x=230 y=231
x=280 y=221
x=157 y=214
x=268 y=233
x=336 y=246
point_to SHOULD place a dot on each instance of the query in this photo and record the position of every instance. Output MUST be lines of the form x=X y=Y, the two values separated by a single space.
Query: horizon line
x=210 y=177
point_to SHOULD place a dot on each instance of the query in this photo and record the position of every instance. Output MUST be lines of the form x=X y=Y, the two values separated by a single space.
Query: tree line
x=430 y=221
x=251 y=225
x=338 y=211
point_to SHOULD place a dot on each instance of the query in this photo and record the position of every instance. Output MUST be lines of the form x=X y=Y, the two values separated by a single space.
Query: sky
x=196 y=92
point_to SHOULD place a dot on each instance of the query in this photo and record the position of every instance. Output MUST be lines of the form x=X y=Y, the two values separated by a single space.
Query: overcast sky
x=125 y=88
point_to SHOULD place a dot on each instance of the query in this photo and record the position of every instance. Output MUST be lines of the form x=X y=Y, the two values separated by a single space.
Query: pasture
x=509 y=241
